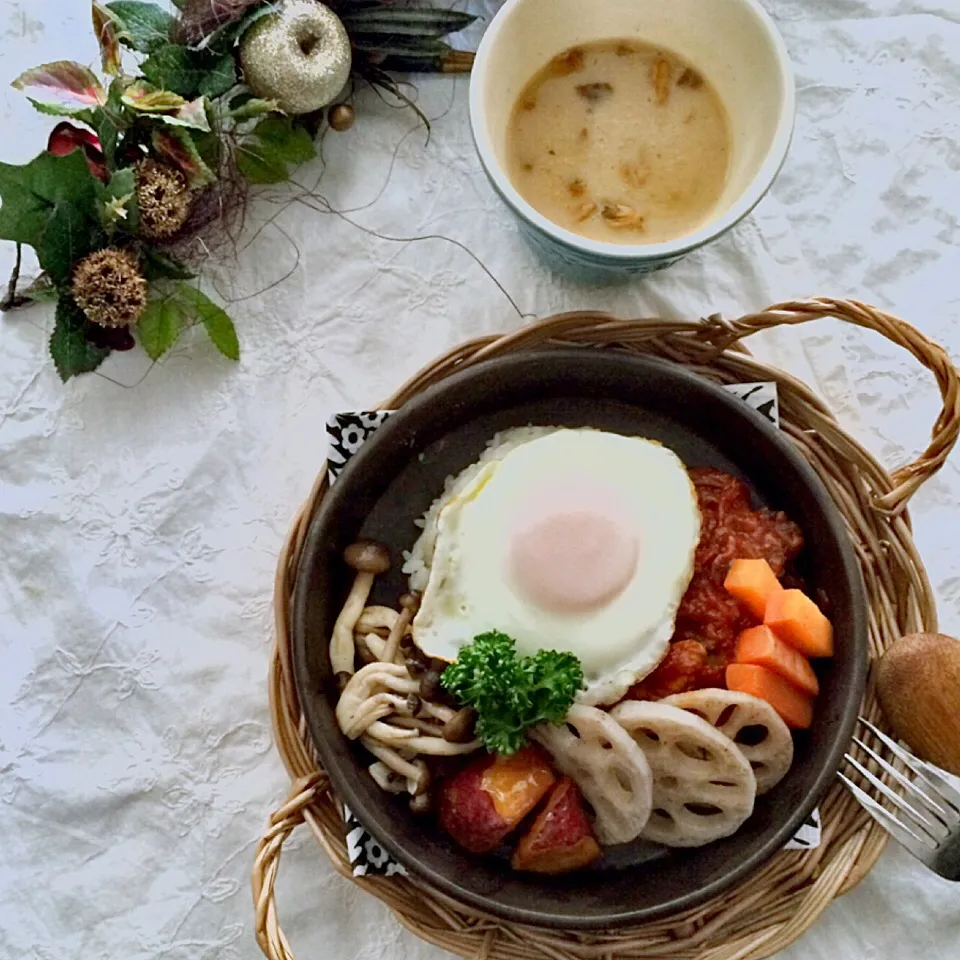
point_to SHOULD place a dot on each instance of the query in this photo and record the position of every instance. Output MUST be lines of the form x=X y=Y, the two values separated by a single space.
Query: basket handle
x=283 y=822
x=943 y=437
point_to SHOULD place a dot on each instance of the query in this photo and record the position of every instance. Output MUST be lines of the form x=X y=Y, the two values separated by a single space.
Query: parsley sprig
x=511 y=693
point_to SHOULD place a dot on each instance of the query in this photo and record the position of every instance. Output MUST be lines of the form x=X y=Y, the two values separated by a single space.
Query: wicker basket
x=778 y=902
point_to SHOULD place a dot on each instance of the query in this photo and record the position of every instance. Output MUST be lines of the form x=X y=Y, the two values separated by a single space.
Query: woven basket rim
x=780 y=900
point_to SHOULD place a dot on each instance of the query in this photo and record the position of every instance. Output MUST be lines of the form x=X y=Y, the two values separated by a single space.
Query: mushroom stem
x=399 y=628
x=376 y=618
x=341 y=643
x=387 y=779
x=416 y=774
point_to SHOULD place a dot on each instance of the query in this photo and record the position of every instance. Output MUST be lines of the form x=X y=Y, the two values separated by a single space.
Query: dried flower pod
x=109 y=287
x=163 y=199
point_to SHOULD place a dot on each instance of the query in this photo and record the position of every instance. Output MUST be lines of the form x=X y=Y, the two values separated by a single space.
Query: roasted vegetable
x=486 y=800
x=512 y=693
x=560 y=839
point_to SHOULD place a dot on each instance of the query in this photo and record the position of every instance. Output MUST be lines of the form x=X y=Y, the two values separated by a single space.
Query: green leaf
x=67 y=236
x=29 y=193
x=150 y=99
x=227 y=35
x=62 y=88
x=145 y=26
x=214 y=318
x=393 y=46
x=71 y=352
x=162 y=266
x=190 y=73
x=274 y=143
x=258 y=168
x=176 y=146
x=222 y=76
x=209 y=147
x=284 y=140
x=42 y=290
x=111 y=121
x=108 y=29
x=192 y=115
x=253 y=107
x=160 y=326
x=118 y=201
x=404 y=21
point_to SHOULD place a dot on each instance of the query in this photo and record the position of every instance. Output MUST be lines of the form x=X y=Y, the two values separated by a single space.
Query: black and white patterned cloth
x=347 y=432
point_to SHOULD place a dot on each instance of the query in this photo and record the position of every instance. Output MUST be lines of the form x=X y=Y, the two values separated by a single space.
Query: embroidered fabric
x=140 y=527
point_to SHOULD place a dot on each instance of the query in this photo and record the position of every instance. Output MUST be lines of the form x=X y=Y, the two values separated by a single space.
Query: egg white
x=469 y=590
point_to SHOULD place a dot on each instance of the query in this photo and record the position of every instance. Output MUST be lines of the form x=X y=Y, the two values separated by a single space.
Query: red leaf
x=65 y=138
x=105 y=27
x=62 y=87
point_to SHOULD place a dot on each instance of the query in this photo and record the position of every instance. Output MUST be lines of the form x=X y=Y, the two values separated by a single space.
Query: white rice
x=417 y=560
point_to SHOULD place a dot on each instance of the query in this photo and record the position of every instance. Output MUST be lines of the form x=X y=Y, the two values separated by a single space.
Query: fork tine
x=922 y=823
x=889 y=822
x=947 y=792
x=944 y=818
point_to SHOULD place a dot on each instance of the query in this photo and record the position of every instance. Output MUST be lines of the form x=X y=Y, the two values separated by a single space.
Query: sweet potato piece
x=483 y=802
x=517 y=784
x=752 y=582
x=561 y=838
x=762 y=647
x=797 y=620
x=466 y=810
x=793 y=705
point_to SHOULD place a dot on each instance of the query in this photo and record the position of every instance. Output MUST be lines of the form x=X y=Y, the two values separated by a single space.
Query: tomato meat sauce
x=709 y=619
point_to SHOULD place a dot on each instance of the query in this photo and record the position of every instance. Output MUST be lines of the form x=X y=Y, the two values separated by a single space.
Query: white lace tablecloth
x=139 y=526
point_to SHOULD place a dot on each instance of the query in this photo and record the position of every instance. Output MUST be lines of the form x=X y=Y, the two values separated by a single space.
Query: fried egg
x=576 y=540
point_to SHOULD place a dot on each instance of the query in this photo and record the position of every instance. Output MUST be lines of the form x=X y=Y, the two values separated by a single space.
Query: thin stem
x=14 y=299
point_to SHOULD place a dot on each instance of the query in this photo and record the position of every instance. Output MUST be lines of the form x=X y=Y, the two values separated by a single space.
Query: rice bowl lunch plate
x=579 y=637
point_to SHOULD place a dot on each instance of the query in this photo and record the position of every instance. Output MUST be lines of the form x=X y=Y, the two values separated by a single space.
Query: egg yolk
x=571 y=549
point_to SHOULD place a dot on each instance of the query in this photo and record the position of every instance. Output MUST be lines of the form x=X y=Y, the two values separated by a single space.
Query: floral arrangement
x=223 y=94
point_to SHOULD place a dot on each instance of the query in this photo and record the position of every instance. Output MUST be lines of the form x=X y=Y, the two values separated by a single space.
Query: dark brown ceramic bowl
x=393 y=479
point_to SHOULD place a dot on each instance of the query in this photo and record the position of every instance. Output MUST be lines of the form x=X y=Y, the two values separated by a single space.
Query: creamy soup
x=621 y=142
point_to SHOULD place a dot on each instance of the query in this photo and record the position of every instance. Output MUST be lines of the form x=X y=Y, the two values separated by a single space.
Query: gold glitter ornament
x=299 y=56
x=163 y=199
x=341 y=117
x=109 y=287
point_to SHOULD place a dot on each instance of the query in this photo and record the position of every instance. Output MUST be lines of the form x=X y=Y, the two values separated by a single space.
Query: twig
x=12 y=300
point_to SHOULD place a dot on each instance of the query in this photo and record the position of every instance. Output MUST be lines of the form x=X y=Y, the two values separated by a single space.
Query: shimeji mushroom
x=414 y=772
x=368 y=559
x=409 y=604
x=379 y=690
x=373 y=692
x=387 y=779
x=376 y=619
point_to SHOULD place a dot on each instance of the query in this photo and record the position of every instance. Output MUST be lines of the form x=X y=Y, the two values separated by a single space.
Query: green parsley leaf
x=512 y=693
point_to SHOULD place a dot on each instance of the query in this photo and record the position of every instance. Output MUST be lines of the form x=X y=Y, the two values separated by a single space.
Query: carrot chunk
x=794 y=706
x=797 y=620
x=763 y=648
x=752 y=582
